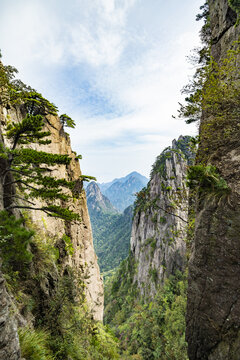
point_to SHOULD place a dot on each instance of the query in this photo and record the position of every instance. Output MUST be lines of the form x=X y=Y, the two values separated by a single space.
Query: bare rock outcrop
x=84 y=257
x=159 y=226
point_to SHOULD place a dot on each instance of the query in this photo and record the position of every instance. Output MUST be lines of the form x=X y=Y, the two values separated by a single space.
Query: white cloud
x=92 y=31
x=130 y=53
x=148 y=91
x=103 y=48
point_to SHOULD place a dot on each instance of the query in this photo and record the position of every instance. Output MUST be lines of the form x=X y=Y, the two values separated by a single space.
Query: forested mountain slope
x=145 y=300
x=111 y=230
x=182 y=272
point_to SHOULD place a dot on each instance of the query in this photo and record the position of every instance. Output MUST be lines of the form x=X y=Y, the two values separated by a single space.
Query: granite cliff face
x=213 y=311
x=83 y=260
x=84 y=257
x=159 y=226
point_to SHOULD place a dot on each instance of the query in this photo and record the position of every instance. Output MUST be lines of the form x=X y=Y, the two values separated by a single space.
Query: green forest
x=112 y=237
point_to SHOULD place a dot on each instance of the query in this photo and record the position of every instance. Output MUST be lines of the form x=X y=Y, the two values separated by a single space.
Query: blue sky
x=115 y=66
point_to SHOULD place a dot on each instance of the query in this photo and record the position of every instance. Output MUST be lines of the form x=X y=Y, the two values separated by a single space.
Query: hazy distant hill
x=121 y=191
x=97 y=202
x=111 y=230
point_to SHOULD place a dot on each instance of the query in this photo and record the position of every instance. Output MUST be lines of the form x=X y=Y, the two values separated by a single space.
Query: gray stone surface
x=9 y=342
x=159 y=231
x=213 y=310
x=84 y=258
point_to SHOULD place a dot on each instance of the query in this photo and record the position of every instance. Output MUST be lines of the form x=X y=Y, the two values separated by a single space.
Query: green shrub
x=14 y=243
x=34 y=344
x=68 y=245
x=163 y=220
x=154 y=274
x=206 y=179
x=235 y=5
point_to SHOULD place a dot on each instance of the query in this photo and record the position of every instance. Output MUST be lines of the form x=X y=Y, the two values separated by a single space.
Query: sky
x=116 y=67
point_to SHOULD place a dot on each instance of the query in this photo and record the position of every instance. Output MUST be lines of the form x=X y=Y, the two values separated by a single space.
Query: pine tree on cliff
x=27 y=173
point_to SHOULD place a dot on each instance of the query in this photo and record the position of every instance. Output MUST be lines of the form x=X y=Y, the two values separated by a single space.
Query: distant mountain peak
x=121 y=191
x=97 y=201
x=93 y=186
x=133 y=173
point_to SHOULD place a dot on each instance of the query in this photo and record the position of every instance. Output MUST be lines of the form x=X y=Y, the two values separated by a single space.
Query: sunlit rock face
x=159 y=226
x=84 y=259
x=213 y=310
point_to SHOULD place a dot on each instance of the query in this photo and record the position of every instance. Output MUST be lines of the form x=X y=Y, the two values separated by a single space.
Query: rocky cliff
x=159 y=227
x=213 y=318
x=145 y=299
x=81 y=259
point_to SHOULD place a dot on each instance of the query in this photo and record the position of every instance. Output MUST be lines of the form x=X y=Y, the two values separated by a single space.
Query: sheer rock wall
x=213 y=310
x=159 y=227
x=84 y=259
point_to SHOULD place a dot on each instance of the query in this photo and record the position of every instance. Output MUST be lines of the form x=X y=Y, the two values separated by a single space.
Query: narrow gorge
x=160 y=279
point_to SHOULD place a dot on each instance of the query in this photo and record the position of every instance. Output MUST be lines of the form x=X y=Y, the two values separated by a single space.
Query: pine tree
x=67 y=121
x=29 y=170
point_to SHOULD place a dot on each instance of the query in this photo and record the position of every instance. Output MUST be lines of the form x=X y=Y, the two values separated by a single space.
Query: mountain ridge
x=97 y=201
x=121 y=191
x=111 y=229
x=105 y=185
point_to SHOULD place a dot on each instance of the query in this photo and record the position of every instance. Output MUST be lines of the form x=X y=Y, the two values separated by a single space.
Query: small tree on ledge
x=67 y=121
x=31 y=170
x=27 y=170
